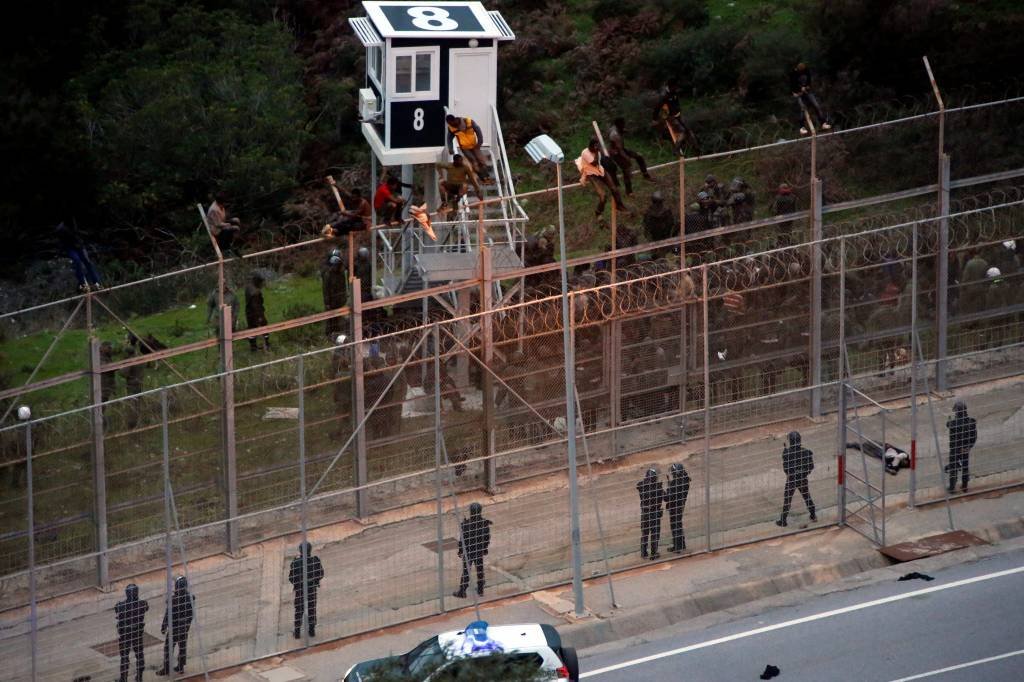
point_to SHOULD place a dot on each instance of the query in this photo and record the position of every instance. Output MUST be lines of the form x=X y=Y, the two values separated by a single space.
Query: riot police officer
x=652 y=495
x=182 y=611
x=474 y=543
x=131 y=623
x=675 y=501
x=305 y=586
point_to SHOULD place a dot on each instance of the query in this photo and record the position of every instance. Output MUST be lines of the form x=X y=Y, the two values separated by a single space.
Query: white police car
x=456 y=655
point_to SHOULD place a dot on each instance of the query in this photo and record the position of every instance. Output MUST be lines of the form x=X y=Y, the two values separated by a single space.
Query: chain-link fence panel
x=973 y=152
x=772 y=484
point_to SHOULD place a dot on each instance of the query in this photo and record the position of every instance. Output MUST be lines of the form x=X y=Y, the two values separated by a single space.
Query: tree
x=204 y=101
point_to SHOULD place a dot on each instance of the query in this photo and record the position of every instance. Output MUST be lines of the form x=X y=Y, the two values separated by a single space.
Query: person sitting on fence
x=388 y=201
x=358 y=216
x=622 y=154
x=592 y=172
x=470 y=138
x=74 y=248
x=225 y=230
x=800 y=86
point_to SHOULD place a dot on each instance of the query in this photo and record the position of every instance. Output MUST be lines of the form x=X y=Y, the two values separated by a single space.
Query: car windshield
x=425 y=657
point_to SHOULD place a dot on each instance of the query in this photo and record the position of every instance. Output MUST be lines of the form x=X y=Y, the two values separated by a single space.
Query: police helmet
x=475 y=509
x=335 y=257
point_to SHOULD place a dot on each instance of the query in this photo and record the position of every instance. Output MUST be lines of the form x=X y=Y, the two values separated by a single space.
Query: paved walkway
x=388 y=570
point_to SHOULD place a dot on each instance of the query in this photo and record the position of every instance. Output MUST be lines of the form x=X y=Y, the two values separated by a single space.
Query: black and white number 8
x=417 y=119
x=432 y=19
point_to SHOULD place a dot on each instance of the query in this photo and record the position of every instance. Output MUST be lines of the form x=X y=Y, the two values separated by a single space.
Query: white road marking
x=968 y=664
x=801 y=621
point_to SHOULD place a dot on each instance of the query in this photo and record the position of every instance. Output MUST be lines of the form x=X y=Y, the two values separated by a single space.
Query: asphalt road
x=966 y=625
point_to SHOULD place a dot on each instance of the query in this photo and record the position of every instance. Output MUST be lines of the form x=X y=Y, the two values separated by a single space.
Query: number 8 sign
x=432 y=19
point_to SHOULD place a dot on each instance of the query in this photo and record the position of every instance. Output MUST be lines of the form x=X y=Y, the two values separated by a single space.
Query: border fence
x=373 y=448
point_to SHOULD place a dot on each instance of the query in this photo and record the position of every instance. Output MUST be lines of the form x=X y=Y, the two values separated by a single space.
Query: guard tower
x=422 y=63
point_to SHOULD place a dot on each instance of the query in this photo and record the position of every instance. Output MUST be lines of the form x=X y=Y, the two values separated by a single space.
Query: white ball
x=24 y=413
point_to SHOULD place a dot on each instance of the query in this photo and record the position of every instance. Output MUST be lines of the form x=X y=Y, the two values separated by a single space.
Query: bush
x=707 y=60
x=307 y=335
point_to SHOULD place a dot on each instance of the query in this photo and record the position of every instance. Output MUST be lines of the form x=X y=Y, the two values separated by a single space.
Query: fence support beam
x=30 y=513
x=487 y=355
x=683 y=369
x=359 y=398
x=99 y=467
x=815 y=307
x=615 y=381
x=942 y=278
x=227 y=362
x=841 y=407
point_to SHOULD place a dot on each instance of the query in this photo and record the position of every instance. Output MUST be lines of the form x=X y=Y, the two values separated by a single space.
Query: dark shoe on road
x=459 y=594
x=782 y=522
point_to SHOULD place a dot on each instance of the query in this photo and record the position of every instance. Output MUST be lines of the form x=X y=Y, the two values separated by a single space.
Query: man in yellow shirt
x=470 y=138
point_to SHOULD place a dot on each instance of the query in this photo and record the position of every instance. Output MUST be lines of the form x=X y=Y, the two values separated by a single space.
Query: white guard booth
x=420 y=60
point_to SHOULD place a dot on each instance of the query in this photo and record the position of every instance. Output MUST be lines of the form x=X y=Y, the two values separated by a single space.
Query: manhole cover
x=931 y=545
x=110 y=648
x=447 y=545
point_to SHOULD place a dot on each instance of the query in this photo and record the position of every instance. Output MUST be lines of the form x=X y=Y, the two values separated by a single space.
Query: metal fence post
x=487 y=354
x=227 y=360
x=165 y=451
x=841 y=406
x=815 y=318
x=303 y=520
x=942 y=278
x=359 y=398
x=99 y=468
x=437 y=466
x=707 y=412
x=615 y=381
x=30 y=494
x=684 y=370
x=912 y=492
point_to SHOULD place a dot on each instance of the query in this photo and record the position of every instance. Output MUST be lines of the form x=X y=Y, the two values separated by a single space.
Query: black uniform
x=182 y=612
x=652 y=495
x=131 y=623
x=333 y=280
x=314 y=574
x=963 y=434
x=797 y=462
x=474 y=542
x=675 y=501
x=255 y=310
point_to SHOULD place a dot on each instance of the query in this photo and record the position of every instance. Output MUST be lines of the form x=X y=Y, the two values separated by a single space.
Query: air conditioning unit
x=368 y=104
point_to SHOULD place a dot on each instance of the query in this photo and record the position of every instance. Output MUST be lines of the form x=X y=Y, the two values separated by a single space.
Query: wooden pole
x=487 y=355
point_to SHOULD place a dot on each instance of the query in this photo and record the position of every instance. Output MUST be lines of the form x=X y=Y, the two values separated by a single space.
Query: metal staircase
x=406 y=260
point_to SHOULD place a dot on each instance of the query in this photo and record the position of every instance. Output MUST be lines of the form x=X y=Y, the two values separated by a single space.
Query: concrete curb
x=632 y=623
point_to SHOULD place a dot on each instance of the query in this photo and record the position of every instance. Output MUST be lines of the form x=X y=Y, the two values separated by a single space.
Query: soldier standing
x=652 y=494
x=675 y=501
x=255 y=310
x=797 y=462
x=305 y=585
x=333 y=280
x=963 y=434
x=474 y=543
x=131 y=623
x=182 y=611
